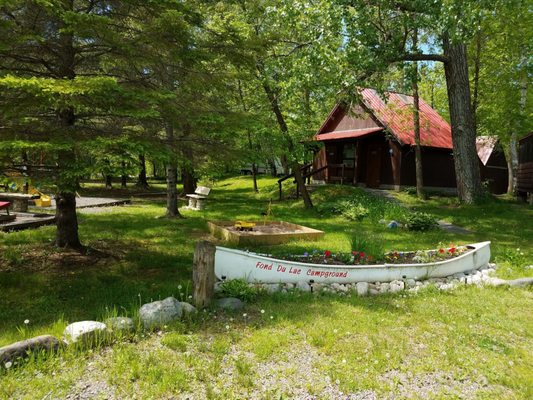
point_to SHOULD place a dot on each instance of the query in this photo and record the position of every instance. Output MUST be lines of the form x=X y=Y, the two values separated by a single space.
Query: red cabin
x=372 y=144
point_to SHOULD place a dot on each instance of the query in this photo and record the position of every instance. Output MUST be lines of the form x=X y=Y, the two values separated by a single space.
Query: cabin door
x=373 y=171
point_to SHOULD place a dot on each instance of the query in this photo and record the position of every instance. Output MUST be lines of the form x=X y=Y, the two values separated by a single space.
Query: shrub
x=238 y=288
x=419 y=221
x=352 y=210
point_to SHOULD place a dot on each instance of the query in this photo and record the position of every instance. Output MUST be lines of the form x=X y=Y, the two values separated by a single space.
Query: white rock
x=317 y=287
x=373 y=292
x=159 y=313
x=343 y=289
x=394 y=288
x=84 y=331
x=274 y=287
x=362 y=288
x=410 y=283
x=303 y=286
x=384 y=287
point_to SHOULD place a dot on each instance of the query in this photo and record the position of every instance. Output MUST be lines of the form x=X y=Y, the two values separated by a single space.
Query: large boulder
x=159 y=313
x=10 y=353
x=86 y=332
x=229 y=303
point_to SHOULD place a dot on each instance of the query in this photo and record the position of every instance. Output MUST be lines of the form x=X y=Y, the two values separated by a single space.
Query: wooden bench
x=197 y=200
x=20 y=200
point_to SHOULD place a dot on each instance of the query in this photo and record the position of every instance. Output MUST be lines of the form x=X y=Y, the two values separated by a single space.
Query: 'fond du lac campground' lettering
x=298 y=271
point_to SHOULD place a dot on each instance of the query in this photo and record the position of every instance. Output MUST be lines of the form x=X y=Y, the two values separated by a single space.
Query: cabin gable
x=343 y=120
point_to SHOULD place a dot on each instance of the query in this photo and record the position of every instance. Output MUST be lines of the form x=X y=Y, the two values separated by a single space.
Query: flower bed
x=357 y=257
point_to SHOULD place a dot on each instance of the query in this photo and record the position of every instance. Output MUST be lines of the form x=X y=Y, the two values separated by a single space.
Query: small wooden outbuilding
x=372 y=144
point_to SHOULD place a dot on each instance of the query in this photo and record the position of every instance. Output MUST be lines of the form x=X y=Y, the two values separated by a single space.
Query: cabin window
x=348 y=154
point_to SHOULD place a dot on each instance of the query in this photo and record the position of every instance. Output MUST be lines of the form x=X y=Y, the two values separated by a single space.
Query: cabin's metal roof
x=395 y=112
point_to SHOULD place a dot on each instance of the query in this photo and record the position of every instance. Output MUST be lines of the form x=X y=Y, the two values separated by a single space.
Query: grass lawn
x=468 y=343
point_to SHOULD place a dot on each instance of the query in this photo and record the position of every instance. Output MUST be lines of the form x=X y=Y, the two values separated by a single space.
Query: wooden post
x=280 y=195
x=203 y=273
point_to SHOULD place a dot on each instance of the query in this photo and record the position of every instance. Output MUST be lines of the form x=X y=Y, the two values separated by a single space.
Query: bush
x=238 y=288
x=419 y=221
x=352 y=210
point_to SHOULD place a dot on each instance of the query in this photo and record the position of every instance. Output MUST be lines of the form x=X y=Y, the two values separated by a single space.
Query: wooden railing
x=305 y=175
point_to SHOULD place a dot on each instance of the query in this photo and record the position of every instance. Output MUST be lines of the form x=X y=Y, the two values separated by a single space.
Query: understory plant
x=238 y=288
x=419 y=221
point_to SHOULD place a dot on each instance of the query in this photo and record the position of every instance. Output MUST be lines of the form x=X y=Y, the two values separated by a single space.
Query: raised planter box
x=274 y=232
x=235 y=264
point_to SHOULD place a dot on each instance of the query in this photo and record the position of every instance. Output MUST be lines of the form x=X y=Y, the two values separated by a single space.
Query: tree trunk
x=290 y=144
x=123 y=177
x=254 y=177
x=285 y=164
x=141 y=179
x=67 y=221
x=273 y=169
x=254 y=165
x=477 y=66
x=510 y=168
x=416 y=119
x=108 y=182
x=172 y=175
x=463 y=129
x=189 y=182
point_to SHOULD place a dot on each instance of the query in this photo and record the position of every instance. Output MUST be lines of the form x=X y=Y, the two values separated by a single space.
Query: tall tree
x=290 y=47
x=503 y=101
x=416 y=119
x=54 y=87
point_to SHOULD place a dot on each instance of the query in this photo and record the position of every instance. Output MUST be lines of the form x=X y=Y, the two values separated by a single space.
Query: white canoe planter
x=236 y=264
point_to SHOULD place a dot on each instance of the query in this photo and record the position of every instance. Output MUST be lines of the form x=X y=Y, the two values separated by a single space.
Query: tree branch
x=422 y=57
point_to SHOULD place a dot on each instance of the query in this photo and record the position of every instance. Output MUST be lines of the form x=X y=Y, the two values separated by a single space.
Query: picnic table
x=19 y=200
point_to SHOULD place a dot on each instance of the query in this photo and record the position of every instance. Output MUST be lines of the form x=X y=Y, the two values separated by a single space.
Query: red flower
x=441 y=251
x=452 y=250
x=355 y=253
x=362 y=255
x=327 y=253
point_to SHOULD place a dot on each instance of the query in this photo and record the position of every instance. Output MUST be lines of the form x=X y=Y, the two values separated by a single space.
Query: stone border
x=479 y=277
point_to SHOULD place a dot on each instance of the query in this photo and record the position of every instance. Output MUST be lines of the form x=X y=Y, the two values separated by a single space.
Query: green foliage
x=238 y=288
x=355 y=204
x=420 y=221
x=370 y=246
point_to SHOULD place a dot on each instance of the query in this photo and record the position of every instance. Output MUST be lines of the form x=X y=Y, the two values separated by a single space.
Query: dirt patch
x=48 y=258
x=260 y=229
